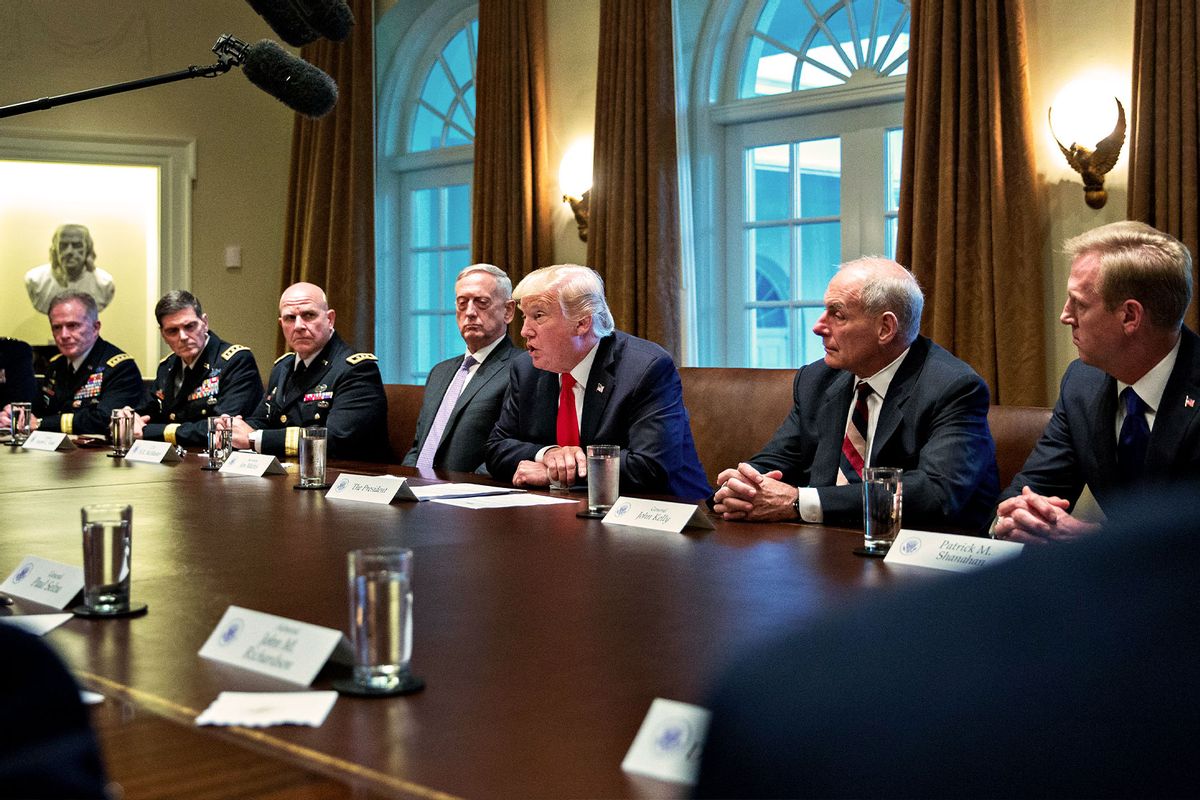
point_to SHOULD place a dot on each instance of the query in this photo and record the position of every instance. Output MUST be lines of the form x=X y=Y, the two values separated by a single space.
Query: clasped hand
x=559 y=464
x=747 y=494
x=1031 y=518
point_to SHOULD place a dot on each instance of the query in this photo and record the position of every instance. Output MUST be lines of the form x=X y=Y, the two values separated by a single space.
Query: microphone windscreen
x=332 y=19
x=286 y=21
x=293 y=81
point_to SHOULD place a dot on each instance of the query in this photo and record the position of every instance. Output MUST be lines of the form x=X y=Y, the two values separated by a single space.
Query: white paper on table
x=37 y=624
x=434 y=491
x=503 y=501
x=263 y=709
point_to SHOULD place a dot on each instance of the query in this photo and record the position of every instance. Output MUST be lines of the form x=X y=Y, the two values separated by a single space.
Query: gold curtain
x=633 y=229
x=1164 y=150
x=511 y=197
x=330 y=235
x=969 y=226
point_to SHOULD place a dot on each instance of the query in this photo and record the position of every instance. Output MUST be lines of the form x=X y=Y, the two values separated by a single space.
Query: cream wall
x=242 y=135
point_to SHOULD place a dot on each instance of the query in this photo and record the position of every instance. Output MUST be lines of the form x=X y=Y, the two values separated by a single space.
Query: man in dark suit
x=203 y=377
x=882 y=396
x=1126 y=413
x=580 y=383
x=88 y=378
x=1068 y=672
x=17 y=384
x=463 y=394
x=323 y=382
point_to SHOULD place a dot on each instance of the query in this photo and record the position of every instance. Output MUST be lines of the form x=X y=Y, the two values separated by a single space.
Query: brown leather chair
x=734 y=411
x=404 y=406
x=1015 y=429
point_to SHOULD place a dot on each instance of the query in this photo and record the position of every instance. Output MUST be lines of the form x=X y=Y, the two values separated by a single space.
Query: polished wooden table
x=543 y=638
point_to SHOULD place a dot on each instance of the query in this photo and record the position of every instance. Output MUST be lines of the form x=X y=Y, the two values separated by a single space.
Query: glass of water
x=120 y=431
x=220 y=441
x=312 y=457
x=107 y=555
x=604 y=477
x=883 y=495
x=380 y=585
x=21 y=422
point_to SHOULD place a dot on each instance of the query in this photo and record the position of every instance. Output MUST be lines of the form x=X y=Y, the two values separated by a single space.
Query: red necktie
x=568 y=423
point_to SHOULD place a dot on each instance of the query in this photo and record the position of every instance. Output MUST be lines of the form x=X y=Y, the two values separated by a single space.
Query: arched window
x=795 y=157
x=423 y=197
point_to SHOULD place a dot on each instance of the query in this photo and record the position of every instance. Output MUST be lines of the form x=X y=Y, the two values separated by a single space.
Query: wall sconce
x=575 y=180
x=1082 y=111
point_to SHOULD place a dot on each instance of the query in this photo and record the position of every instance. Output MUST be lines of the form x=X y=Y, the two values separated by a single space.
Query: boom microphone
x=299 y=22
x=293 y=81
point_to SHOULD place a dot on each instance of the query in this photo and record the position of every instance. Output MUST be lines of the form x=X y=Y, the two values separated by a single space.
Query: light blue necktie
x=449 y=399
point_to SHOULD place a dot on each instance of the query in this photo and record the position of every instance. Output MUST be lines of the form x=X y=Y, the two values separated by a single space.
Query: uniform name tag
x=152 y=452
x=948 y=551
x=276 y=646
x=48 y=441
x=253 y=464
x=379 y=489
x=667 y=746
x=44 y=581
x=655 y=515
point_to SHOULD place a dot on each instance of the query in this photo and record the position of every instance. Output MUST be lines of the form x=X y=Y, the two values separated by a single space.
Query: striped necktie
x=854 y=444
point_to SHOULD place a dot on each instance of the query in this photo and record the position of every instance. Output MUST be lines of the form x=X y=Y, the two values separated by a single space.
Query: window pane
x=811 y=347
x=437 y=91
x=820 y=163
x=427 y=131
x=463 y=121
x=454 y=262
x=427 y=345
x=458 y=56
x=893 y=151
x=770 y=344
x=785 y=21
x=769 y=71
x=770 y=183
x=893 y=226
x=770 y=252
x=820 y=252
x=458 y=215
x=444 y=99
x=425 y=281
x=424 y=218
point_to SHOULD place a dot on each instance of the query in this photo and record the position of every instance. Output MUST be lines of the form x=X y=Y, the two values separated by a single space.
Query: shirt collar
x=482 y=353
x=583 y=369
x=1150 y=387
x=199 y=353
x=78 y=362
x=881 y=380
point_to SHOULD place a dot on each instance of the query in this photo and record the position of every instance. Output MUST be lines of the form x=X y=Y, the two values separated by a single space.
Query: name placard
x=668 y=744
x=44 y=581
x=378 y=489
x=48 y=441
x=152 y=452
x=948 y=551
x=253 y=464
x=276 y=646
x=656 y=515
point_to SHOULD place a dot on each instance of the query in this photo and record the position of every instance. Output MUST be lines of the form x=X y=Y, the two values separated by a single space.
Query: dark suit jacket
x=1072 y=671
x=464 y=441
x=83 y=403
x=47 y=748
x=341 y=390
x=225 y=380
x=933 y=425
x=633 y=399
x=17 y=384
x=1079 y=445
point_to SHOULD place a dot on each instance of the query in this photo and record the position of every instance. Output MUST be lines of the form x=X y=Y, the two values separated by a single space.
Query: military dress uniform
x=224 y=380
x=82 y=401
x=17 y=384
x=340 y=390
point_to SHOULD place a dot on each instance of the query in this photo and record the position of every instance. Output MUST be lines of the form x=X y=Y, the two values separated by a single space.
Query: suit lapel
x=602 y=383
x=1176 y=412
x=495 y=361
x=169 y=393
x=831 y=417
x=1103 y=447
x=891 y=412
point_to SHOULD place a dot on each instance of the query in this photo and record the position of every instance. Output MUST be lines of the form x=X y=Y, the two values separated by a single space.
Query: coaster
x=407 y=685
x=114 y=455
x=585 y=514
x=207 y=468
x=298 y=487
x=862 y=551
x=134 y=610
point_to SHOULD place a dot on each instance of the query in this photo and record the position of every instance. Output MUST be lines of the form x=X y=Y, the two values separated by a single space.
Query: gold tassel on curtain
x=512 y=199
x=1164 y=153
x=330 y=235
x=969 y=227
x=633 y=228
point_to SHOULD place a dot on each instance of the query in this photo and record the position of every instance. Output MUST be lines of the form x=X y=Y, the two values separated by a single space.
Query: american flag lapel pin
x=600 y=387
x=1188 y=402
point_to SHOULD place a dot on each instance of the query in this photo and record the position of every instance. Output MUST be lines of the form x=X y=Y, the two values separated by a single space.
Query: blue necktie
x=1134 y=438
x=449 y=399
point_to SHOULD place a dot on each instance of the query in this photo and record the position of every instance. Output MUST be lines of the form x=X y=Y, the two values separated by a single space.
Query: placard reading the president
x=379 y=489
x=276 y=646
x=48 y=441
x=656 y=515
x=152 y=452
x=253 y=464
x=44 y=581
x=949 y=551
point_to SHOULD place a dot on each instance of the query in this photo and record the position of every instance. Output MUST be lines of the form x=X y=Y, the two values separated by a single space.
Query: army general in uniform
x=323 y=382
x=204 y=376
x=88 y=378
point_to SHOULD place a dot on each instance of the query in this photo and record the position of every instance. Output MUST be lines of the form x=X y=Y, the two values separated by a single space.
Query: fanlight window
x=445 y=114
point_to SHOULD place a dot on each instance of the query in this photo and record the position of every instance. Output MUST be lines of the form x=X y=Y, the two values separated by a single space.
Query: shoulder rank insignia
x=118 y=358
x=56 y=358
x=360 y=357
x=282 y=357
x=233 y=348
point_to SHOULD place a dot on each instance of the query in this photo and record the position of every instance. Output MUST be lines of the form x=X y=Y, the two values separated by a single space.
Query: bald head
x=306 y=318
